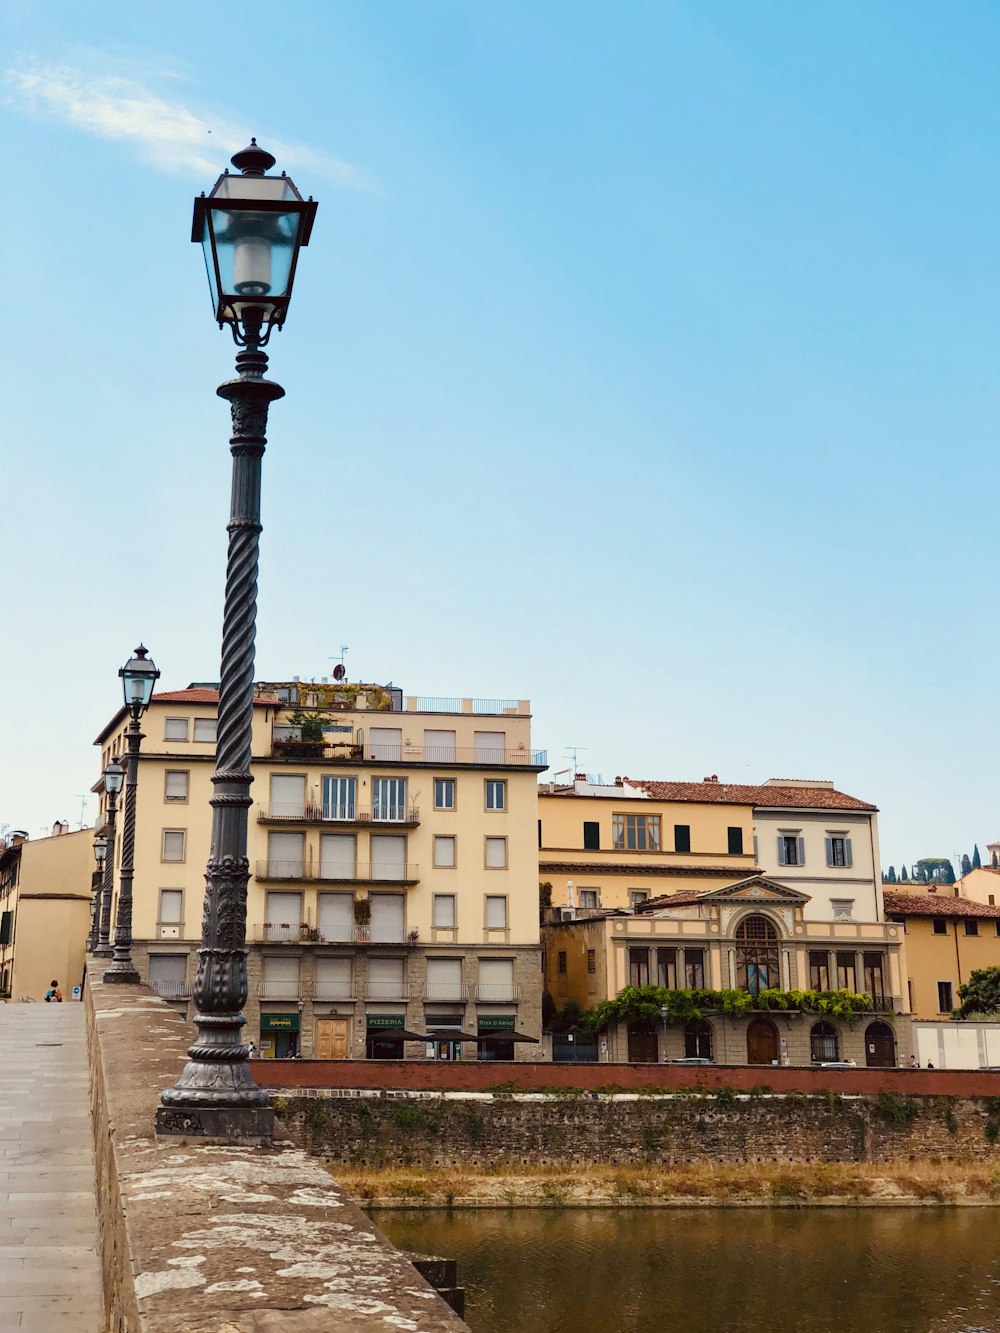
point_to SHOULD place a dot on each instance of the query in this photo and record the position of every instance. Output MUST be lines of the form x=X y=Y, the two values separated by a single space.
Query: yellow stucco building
x=393 y=902
x=947 y=938
x=45 y=904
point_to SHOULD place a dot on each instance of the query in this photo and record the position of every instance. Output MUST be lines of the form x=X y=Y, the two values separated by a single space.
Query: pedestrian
x=250 y=1050
x=913 y=1062
x=53 y=995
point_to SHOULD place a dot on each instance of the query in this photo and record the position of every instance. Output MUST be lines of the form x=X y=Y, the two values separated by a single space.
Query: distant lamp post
x=138 y=676
x=251 y=227
x=100 y=852
x=114 y=776
x=665 y=1015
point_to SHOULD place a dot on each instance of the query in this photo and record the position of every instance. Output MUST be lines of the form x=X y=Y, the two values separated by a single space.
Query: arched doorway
x=823 y=1042
x=757 y=957
x=762 y=1042
x=643 y=1047
x=698 y=1040
x=880 y=1046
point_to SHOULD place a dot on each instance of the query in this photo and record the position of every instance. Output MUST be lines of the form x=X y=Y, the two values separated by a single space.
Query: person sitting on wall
x=53 y=994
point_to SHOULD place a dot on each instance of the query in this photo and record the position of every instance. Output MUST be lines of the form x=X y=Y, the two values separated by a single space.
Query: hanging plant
x=362 y=911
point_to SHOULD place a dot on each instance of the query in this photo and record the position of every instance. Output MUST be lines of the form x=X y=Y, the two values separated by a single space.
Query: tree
x=949 y=873
x=903 y=876
x=966 y=864
x=981 y=993
x=995 y=861
x=976 y=860
x=935 y=870
x=891 y=877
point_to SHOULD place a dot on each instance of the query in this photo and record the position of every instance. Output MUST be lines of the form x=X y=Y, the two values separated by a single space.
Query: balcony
x=349 y=752
x=479 y=707
x=172 y=990
x=360 y=873
x=443 y=990
x=382 y=990
x=406 y=815
x=334 y=990
x=495 y=993
x=278 y=990
x=267 y=932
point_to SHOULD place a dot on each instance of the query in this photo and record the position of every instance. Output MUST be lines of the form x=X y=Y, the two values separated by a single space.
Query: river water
x=716 y=1270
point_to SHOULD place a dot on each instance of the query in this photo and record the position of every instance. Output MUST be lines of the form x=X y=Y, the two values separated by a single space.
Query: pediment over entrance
x=757 y=889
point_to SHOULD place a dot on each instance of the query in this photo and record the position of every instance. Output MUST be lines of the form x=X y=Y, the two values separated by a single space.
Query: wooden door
x=642 y=1046
x=762 y=1042
x=331 y=1039
x=880 y=1046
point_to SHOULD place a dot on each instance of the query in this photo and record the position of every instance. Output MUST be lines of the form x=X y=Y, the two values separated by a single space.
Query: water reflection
x=718 y=1270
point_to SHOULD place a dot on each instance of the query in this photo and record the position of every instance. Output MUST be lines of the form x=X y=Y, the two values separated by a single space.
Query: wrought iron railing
x=350 y=752
x=370 y=872
x=391 y=813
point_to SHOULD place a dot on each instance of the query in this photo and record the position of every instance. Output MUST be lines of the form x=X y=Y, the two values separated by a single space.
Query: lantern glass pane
x=255 y=252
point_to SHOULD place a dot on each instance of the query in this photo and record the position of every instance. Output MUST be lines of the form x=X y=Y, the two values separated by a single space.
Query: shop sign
x=279 y=1022
x=496 y=1022
x=384 y=1020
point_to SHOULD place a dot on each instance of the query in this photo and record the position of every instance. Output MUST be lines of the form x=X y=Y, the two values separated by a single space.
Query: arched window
x=823 y=1042
x=698 y=1043
x=757 y=955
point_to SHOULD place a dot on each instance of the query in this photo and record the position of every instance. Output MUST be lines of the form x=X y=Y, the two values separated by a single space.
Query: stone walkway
x=50 y=1275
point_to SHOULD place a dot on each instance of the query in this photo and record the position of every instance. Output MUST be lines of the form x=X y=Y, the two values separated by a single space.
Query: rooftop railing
x=422 y=703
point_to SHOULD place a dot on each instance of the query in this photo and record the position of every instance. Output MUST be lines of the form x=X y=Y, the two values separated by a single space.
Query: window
x=496 y=853
x=819 y=971
x=823 y=1043
x=591 y=961
x=791 y=850
x=170 y=920
x=388 y=856
x=496 y=794
x=279 y=978
x=444 y=911
x=284 y=916
x=444 y=851
x=589 y=898
x=698 y=1039
x=873 y=976
x=496 y=979
x=386 y=743
x=386 y=979
x=206 y=728
x=591 y=835
x=175 y=785
x=838 y=850
x=490 y=747
x=682 y=837
x=694 y=969
x=388 y=798
x=971 y=927
x=940 y=926
x=666 y=968
x=997 y=924
x=945 y=1004
x=286 y=855
x=339 y=797
x=175 y=729
x=288 y=796
x=168 y=974
x=439 y=748
x=333 y=978
x=337 y=856
x=496 y=911
x=335 y=917
x=637 y=896
x=635 y=833
x=444 y=979
x=561 y=962
x=756 y=954
x=847 y=978
x=843 y=909
x=444 y=793
x=638 y=967
x=735 y=840
x=173 y=844
x=388 y=923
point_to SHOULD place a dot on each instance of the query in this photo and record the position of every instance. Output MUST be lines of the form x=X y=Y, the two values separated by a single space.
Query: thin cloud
x=166 y=132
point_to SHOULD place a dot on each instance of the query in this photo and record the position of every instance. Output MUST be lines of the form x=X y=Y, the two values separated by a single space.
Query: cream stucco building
x=393 y=903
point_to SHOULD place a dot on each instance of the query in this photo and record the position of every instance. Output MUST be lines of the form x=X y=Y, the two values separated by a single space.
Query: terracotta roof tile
x=728 y=793
x=934 y=904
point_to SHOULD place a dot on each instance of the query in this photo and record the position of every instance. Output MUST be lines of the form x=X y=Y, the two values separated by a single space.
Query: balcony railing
x=374 y=872
x=496 y=993
x=445 y=990
x=350 y=752
x=267 y=932
x=334 y=990
x=278 y=990
x=172 y=990
x=383 y=990
x=390 y=813
x=426 y=704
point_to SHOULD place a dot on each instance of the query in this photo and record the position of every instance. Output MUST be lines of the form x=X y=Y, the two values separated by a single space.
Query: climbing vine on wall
x=655 y=1004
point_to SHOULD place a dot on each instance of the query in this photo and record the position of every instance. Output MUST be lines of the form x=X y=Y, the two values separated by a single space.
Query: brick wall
x=487 y=1131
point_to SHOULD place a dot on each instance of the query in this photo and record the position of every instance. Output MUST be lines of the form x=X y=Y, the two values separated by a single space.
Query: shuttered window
x=838 y=850
x=288 y=795
x=388 y=918
x=336 y=917
x=791 y=850
x=176 y=785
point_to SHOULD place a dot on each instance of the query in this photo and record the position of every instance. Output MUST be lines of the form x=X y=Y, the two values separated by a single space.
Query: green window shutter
x=6 y=927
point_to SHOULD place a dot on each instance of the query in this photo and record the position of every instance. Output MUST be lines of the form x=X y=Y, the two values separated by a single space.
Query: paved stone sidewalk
x=50 y=1280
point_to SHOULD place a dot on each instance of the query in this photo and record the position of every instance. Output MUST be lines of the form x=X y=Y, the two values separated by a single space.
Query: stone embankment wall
x=514 y=1130
x=199 y=1238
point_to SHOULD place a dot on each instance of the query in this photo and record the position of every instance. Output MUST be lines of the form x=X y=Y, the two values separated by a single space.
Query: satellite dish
x=339 y=671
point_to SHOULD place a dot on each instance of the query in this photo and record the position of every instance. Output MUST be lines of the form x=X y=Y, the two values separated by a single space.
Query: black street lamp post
x=100 y=852
x=252 y=227
x=114 y=776
x=138 y=676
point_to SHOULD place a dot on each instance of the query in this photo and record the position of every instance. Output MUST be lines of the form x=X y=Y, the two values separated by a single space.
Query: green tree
x=977 y=863
x=981 y=993
x=891 y=877
x=903 y=876
x=966 y=864
x=935 y=870
x=949 y=873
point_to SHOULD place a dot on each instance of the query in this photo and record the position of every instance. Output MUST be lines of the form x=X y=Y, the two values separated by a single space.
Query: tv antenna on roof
x=340 y=671
x=84 y=798
x=571 y=753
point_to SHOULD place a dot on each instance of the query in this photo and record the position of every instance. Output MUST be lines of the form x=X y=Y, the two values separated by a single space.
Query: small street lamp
x=114 y=776
x=138 y=676
x=251 y=228
x=100 y=852
x=665 y=1015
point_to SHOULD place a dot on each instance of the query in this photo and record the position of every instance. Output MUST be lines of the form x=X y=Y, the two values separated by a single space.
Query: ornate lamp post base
x=121 y=978
x=216 y=1124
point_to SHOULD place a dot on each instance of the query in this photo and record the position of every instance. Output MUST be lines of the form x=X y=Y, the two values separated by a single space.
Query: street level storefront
x=279 y=1036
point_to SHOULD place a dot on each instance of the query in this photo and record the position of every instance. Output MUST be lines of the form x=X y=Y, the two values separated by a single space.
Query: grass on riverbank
x=902 y=1182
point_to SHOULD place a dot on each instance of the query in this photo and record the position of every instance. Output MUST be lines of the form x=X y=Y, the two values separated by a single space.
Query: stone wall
x=196 y=1238
x=516 y=1129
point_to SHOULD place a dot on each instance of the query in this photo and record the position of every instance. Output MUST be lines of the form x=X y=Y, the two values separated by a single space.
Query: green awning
x=279 y=1022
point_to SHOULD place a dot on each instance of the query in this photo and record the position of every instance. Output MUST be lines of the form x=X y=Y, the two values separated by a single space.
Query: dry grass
x=696 y=1183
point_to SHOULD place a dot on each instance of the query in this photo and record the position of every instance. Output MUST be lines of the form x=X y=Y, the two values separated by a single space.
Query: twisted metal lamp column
x=122 y=969
x=216 y=1095
x=104 y=949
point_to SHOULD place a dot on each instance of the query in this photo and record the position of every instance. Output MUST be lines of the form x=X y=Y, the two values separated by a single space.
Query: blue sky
x=643 y=363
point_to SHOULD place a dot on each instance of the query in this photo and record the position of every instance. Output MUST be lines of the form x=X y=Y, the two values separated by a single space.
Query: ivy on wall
x=655 y=1004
